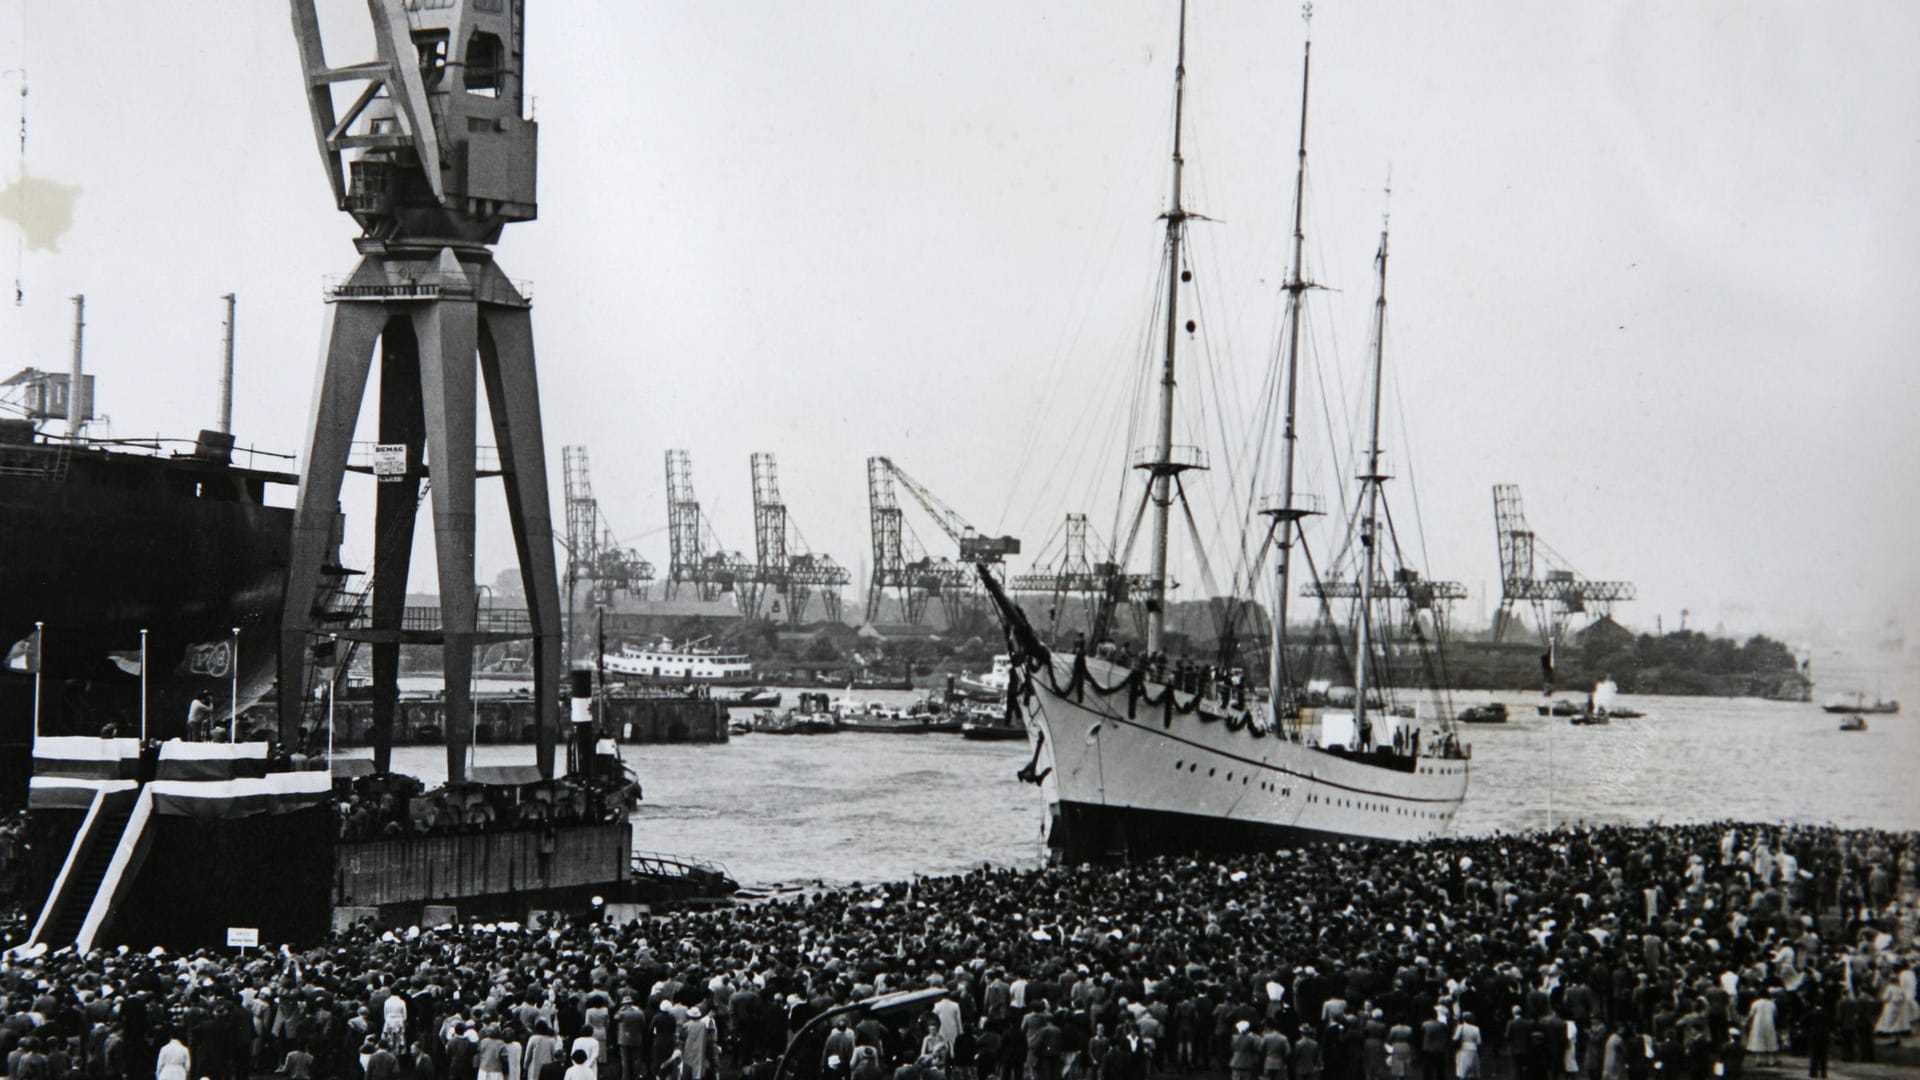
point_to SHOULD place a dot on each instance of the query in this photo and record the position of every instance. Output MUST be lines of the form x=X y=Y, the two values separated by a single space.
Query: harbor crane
x=783 y=563
x=695 y=556
x=1407 y=589
x=899 y=562
x=1101 y=586
x=428 y=147
x=593 y=555
x=1534 y=573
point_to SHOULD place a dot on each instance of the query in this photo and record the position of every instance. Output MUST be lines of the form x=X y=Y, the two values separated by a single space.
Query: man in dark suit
x=1126 y=1057
x=1435 y=1039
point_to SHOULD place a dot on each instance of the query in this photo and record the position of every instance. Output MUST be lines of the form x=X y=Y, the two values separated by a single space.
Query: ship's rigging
x=1263 y=511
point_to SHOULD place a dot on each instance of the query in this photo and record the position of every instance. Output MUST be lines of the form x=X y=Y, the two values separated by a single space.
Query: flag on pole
x=325 y=656
x=24 y=657
x=210 y=659
x=127 y=660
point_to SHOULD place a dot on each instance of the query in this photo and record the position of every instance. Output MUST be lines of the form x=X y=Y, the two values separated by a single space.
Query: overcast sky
x=1652 y=262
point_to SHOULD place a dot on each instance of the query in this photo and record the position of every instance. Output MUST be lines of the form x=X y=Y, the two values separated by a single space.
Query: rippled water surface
x=866 y=807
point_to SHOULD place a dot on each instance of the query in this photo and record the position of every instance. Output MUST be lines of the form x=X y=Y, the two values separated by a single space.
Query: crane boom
x=973 y=547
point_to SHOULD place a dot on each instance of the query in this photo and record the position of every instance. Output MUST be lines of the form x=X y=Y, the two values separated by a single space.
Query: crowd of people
x=386 y=808
x=1605 y=953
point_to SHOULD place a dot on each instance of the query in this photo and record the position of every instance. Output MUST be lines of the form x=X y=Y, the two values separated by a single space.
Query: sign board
x=390 y=462
x=245 y=937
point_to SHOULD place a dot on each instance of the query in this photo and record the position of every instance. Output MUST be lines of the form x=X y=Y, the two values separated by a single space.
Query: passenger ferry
x=687 y=662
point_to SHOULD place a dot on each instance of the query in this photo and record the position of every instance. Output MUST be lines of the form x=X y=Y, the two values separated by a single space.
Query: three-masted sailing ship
x=1137 y=754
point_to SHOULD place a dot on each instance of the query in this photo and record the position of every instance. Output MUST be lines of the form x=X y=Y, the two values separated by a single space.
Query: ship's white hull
x=676 y=667
x=1124 y=778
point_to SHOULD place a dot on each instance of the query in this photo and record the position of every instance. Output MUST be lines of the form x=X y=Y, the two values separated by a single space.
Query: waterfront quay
x=1603 y=953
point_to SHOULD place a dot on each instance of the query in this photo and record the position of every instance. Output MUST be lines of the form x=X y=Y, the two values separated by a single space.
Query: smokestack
x=581 y=699
x=226 y=374
x=75 y=414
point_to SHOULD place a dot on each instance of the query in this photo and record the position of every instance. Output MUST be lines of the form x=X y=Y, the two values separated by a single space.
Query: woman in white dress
x=1763 y=1036
x=1898 y=1010
x=1466 y=1055
x=175 y=1062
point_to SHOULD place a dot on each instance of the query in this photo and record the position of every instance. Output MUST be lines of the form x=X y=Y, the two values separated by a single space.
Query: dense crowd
x=1585 y=954
x=386 y=808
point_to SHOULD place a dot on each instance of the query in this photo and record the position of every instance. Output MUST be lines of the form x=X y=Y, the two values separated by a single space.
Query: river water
x=783 y=810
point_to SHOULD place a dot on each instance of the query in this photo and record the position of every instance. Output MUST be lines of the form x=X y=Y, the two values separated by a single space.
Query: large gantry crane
x=783 y=563
x=1532 y=572
x=900 y=563
x=433 y=157
x=1102 y=586
x=594 y=558
x=695 y=556
x=1406 y=590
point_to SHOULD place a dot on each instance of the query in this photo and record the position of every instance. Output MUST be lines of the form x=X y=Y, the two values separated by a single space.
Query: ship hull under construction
x=1130 y=767
x=101 y=544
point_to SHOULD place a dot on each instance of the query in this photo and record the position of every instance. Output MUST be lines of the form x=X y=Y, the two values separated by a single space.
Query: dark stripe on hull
x=1084 y=832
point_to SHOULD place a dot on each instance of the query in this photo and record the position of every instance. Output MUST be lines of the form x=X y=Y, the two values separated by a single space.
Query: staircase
x=87 y=863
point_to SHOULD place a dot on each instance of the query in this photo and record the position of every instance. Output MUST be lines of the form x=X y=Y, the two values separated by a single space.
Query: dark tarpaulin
x=504 y=775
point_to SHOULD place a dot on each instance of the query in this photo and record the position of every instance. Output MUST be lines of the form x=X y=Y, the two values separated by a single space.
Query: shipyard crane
x=695 y=557
x=1101 y=585
x=1407 y=589
x=974 y=548
x=432 y=156
x=783 y=562
x=593 y=555
x=899 y=562
x=1532 y=572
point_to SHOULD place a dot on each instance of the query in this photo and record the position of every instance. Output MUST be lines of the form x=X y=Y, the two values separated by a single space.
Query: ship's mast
x=1278 y=681
x=1163 y=466
x=1369 y=531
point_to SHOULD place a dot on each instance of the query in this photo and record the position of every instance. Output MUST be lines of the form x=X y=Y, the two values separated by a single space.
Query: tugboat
x=813 y=716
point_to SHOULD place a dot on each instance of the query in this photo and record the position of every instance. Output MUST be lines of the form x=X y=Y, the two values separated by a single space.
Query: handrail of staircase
x=74 y=849
x=118 y=872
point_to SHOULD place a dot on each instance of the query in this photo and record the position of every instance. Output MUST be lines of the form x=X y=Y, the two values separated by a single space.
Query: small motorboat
x=752 y=697
x=1856 y=722
x=1860 y=706
x=1491 y=713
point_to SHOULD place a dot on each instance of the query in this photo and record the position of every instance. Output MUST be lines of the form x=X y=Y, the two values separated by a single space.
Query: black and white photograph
x=570 y=540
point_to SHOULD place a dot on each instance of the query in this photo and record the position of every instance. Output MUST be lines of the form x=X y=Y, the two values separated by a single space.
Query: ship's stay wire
x=1100 y=406
x=1060 y=375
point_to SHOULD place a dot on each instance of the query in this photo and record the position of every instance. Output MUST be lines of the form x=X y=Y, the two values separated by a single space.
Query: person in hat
x=663 y=1036
x=699 y=1052
x=630 y=1036
x=1245 y=1051
x=1306 y=1055
x=836 y=1053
